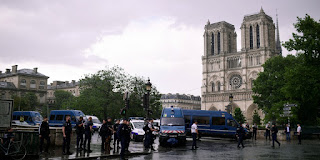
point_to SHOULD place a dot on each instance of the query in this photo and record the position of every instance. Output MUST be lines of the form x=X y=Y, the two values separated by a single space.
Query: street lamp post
x=230 y=100
x=148 y=88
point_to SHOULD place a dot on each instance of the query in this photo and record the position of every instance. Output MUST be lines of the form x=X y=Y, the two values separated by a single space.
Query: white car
x=137 y=133
x=156 y=125
x=96 y=122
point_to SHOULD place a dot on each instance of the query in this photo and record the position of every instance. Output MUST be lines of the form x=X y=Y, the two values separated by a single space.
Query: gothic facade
x=228 y=71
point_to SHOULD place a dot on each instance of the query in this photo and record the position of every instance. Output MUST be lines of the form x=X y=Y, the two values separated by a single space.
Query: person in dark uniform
x=240 y=135
x=44 y=133
x=67 y=133
x=274 y=131
x=254 y=131
x=123 y=130
x=87 y=134
x=109 y=134
x=149 y=136
x=103 y=134
x=115 y=136
x=80 y=131
x=128 y=136
x=268 y=131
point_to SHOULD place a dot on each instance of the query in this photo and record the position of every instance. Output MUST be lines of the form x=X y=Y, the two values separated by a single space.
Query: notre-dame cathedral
x=227 y=71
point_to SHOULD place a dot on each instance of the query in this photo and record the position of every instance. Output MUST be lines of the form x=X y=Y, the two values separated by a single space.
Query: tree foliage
x=238 y=116
x=256 y=118
x=63 y=99
x=27 y=102
x=101 y=94
x=293 y=79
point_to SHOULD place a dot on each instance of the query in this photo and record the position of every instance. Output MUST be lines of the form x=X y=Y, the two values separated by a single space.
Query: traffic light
x=123 y=111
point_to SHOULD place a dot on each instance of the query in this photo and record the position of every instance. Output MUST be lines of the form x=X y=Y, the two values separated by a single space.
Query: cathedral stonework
x=228 y=71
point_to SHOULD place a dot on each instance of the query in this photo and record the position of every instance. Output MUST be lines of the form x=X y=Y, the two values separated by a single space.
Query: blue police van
x=58 y=117
x=31 y=117
x=212 y=123
x=172 y=126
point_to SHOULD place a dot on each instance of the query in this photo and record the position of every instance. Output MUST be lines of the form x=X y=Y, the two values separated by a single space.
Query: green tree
x=63 y=99
x=268 y=86
x=238 y=116
x=303 y=80
x=27 y=102
x=256 y=118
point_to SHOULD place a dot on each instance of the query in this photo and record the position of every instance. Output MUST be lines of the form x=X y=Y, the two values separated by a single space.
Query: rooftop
x=180 y=96
x=7 y=85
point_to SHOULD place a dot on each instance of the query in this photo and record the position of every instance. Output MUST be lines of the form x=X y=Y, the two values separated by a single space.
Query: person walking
x=254 y=131
x=287 y=131
x=103 y=133
x=299 y=133
x=123 y=130
x=268 y=131
x=67 y=134
x=44 y=133
x=79 y=132
x=87 y=134
x=274 y=131
x=115 y=136
x=194 y=132
x=240 y=135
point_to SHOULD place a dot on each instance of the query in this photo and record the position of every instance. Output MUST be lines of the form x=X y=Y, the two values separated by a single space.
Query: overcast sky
x=160 y=39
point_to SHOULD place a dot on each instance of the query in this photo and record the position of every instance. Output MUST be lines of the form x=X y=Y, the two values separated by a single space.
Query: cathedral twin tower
x=228 y=71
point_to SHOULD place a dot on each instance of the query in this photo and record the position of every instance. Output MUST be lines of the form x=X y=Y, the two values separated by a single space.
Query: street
x=209 y=148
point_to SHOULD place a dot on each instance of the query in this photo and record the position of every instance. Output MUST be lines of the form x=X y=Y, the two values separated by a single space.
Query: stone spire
x=261 y=10
x=208 y=23
x=278 y=45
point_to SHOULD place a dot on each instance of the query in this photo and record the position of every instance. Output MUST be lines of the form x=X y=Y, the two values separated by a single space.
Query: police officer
x=67 y=133
x=115 y=136
x=194 y=132
x=103 y=134
x=254 y=131
x=109 y=134
x=268 y=131
x=44 y=133
x=149 y=136
x=274 y=131
x=123 y=130
x=80 y=131
x=240 y=134
x=87 y=134
x=128 y=136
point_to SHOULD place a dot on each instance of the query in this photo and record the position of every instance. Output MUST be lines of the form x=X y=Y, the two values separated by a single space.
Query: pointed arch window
x=251 y=38
x=212 y=43
x=218 y=85
x=258 y=36
x=212 y=87
x=229 y=42
x=218 y=42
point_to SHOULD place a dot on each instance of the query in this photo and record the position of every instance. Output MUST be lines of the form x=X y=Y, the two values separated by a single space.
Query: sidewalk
x=135 y=149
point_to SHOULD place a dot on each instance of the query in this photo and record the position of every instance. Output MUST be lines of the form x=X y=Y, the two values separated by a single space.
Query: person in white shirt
x=287 y=131
x=194 y=132
x=299 y=133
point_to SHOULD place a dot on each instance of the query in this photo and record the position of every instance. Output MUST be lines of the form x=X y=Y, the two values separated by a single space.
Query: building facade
x=18 y=82
x=227 y=71
x=72 y=87
x=183 y=101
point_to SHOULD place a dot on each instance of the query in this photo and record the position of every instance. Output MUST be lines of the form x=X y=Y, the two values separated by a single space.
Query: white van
x=137 y=132
x=96 y=122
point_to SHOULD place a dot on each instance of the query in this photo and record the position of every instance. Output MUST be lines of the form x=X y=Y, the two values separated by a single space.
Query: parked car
x=137 y=133
x=17 y=123
x=31 y=117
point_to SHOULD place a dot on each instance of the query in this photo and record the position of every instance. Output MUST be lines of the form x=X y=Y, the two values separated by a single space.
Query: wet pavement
x=209 y=148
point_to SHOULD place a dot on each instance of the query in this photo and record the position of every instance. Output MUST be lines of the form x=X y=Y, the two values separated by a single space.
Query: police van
x=212 y=123
x=172 y=126
x=31 y=117
x=58 y=117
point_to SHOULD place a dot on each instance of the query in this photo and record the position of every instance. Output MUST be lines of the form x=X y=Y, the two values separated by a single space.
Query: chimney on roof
x=35 y=70
x=14 y=68
x=7 y=71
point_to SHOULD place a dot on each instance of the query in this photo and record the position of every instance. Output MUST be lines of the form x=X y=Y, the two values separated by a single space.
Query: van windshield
x=37 y=117
x=172 y=121
x=138 y=125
